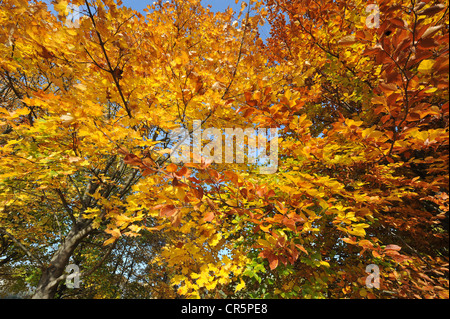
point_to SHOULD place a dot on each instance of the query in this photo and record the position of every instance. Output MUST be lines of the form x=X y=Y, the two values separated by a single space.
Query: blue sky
x=217 y=5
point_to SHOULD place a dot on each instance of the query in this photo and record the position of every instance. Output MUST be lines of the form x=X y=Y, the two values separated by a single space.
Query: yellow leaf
x=61 y=7
x=180 y=193
x=114 y=232
x=80 y=87
x=183 y=290
x=211 y=285
x=72 y=32
x=363 y=292
x=240 y=286
x=375 y=134
x=109 y=241
x=215 y=240
x=358 y=230
x=194 y=275
x=425 y=66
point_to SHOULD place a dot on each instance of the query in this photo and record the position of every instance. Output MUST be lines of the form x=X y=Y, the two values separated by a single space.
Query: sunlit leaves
x=362 y=115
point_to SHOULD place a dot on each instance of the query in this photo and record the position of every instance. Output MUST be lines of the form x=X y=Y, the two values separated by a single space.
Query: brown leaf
x=348 y=40
x=432 y=30
x=432 y=10
x=132 y=159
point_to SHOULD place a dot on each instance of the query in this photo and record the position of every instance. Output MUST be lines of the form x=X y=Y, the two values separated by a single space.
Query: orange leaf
x=393 y=247
x=349 y=241
x=302 y=248
x=168 y=210
x=209 y=216
x=273 y=261
x=172 y=168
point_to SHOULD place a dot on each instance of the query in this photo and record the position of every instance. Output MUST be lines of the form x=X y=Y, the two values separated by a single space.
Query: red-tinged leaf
x=248 y=112
x=148 y=162
x=283 y=260
x=372 y=51
x=244 y=192
x=260 y=191
x=232 y=177
x=252 y=103
x=209 y=216
x=193 y=165
x=349 y=241
x=131 y=159
x=180 y=244
x=289 y=223
x=264 y=254
x=302 y=248
x=376 y=254
x=241 y=109
x=210 y=203
x=397 y=22
x=388 y=87
x=295 y=255
x=200 y=192
x=214 y=174
x=45 y=53
x=168 y=210
x=176 y=218
x=392 y=253
x=193 y=180
x=271 y=193
x=393 y=247
x=427 y=43
x=273 y=261
x=248 y=96
x=123 y=151
x=183 y=172
x=148 y=171
x=385 y=118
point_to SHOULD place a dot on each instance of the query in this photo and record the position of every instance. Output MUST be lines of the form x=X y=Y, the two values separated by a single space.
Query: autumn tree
x=86 y=175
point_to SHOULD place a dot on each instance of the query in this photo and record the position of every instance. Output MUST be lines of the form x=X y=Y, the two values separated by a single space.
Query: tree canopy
x=86 y=177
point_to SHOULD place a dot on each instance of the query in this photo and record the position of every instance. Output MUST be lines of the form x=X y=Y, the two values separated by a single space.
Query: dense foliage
x=86 y=178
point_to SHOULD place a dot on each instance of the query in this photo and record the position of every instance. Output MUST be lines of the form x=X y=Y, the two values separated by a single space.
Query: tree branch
x=18 y=243
x=66 y=205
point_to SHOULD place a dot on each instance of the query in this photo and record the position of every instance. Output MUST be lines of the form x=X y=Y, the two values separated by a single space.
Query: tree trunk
x=53 y=274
